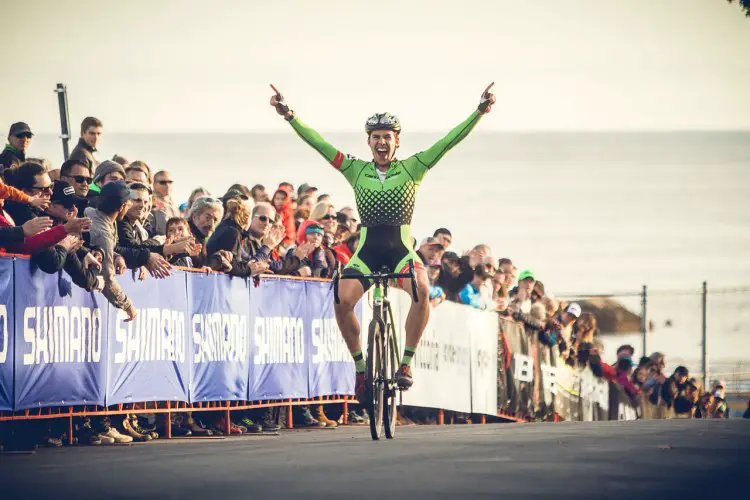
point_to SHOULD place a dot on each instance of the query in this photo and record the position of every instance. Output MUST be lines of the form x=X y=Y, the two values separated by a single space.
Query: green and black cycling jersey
x=385 y=207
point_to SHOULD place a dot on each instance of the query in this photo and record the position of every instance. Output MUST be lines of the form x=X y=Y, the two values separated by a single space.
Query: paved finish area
x=634 y=460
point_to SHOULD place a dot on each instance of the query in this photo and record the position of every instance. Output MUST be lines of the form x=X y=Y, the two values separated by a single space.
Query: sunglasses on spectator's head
x=82 y=179
x=264 y=218
x=328 y=217
x=164 y=182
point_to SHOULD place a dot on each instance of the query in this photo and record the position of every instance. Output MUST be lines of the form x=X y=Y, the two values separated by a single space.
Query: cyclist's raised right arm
x=346 y=164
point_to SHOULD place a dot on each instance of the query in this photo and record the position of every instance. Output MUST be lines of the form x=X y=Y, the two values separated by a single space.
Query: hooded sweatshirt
x=287 y=216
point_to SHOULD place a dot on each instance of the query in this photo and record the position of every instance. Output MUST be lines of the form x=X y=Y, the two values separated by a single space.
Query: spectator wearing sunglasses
x=19 y=140
x=264 y=236
x=164 y=207
x=228 y=246
x=33 y=180
x=79 y=177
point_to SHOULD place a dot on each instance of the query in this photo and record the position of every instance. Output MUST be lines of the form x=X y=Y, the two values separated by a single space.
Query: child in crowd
x=177 y=230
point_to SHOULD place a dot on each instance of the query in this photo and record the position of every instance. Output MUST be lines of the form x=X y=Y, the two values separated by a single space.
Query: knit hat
x=314 y=229
x=107 y=167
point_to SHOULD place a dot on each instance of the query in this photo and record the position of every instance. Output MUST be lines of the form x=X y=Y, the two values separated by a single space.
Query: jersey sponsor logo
x=351 y=157
x=338 y=160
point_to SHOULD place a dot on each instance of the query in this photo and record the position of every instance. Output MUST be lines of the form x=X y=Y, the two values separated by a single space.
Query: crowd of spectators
x=95 y=220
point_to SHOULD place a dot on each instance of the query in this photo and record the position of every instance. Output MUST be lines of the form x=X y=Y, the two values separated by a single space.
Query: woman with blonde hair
x=323 y=213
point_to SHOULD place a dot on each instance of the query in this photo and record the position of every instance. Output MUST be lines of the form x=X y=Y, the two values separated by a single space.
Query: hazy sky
x=563 y=64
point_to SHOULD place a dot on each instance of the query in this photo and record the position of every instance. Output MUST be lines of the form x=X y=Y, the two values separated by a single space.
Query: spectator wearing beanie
x=107 y=171
x=311 y=258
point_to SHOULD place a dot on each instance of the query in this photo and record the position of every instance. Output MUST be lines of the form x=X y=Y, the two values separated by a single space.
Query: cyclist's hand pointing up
x=277 y=101
x=487 y=100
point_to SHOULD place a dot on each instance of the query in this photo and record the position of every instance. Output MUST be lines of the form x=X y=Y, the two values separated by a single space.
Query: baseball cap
x=525 y=274
x=116 y=192
x=63 y=194
x=432 y=242
x=574 y=309
x=19 y=128
x=314 y=229
x=304 y=188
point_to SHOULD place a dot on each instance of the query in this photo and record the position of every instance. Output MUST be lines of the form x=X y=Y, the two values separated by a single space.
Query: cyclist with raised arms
x=385 y=190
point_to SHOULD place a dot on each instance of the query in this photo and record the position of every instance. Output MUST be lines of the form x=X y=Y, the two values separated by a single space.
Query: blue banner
x=331 y=368
x=219 y=308
x=148 y=357
x=278 y=346
x=6 y=334
x=60 y=334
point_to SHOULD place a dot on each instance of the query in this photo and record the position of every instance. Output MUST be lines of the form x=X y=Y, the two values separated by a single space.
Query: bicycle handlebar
x=378 y=278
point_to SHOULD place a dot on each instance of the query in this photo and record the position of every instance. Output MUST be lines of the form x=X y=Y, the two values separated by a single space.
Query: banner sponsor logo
x=327 y=343
x=155 y=335
x=4 y=335
x=220 y=337
x=62 y=334
x=279 y=340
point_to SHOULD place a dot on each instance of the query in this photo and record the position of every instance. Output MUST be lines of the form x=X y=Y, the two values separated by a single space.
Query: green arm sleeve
x=420 y=163
x=346 y=164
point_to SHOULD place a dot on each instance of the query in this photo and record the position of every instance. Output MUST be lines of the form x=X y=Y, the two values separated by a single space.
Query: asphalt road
x=633 y=460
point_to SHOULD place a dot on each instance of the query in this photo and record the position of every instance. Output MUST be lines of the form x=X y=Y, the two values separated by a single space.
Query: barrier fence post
x=289 y=422
x=644 y=320
x=168 y=426
x=704 y=350
x=441 y=417
x=70 y=425
x=345 y=416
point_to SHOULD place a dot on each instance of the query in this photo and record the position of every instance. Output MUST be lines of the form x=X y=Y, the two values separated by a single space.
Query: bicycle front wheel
x=375 y=377
x=390 y=362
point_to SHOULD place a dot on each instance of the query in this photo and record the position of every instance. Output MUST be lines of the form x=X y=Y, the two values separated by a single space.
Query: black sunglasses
x=265 y=218
x=82 y=179
x=24 y=136
x=328 y=217
x=164 y=182
x=47 y=189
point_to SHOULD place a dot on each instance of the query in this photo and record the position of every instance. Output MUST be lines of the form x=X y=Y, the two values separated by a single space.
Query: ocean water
x=588 y=212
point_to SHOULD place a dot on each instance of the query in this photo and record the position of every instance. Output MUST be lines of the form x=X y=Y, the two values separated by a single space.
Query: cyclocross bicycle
x=382 y=351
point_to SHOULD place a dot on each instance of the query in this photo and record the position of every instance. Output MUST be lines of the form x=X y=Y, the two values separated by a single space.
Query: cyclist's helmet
x=383 y=121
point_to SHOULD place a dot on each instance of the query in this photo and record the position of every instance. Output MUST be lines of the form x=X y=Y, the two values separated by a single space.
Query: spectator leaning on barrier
x=113 y=205
x=133 y=243
x=454 y=275
x=265 y=236
x=19 y=140
x=178 y=231
x=311 y=258
x=164 y=207
x=79 y=176
x=205 y=214
x=471 y=294
x=91 y=134
x=227 y=246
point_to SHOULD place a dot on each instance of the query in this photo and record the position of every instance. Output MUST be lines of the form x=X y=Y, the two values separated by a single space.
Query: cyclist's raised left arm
x=422 y=162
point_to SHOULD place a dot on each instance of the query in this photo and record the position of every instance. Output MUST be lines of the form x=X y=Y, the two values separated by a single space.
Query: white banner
x=441 y=367
x=482 y=328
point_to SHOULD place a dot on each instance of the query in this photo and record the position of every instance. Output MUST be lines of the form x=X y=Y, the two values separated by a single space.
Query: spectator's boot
x=269 y=423
x=108 y=430
x=87 y=435
x=308 y=420
x=196 y=428
x=320 y=415
x=135 y=423
x=127 y=425
x=252 y=427
x=355 y=419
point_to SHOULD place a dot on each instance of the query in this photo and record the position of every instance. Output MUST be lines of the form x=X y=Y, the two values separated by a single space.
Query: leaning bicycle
x=382 y=351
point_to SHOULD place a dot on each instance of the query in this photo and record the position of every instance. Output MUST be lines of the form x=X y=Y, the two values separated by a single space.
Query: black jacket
x=201 y=259
x=11 y=235
x=83 y=153
x=10 y=157
x=322 y=263
x=231 y=237
x=21 y=212
x=452 y=286
x=132 y=247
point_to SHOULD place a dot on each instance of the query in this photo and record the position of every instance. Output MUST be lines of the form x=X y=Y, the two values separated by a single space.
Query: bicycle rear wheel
x=390 y=358
x=375 y=377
